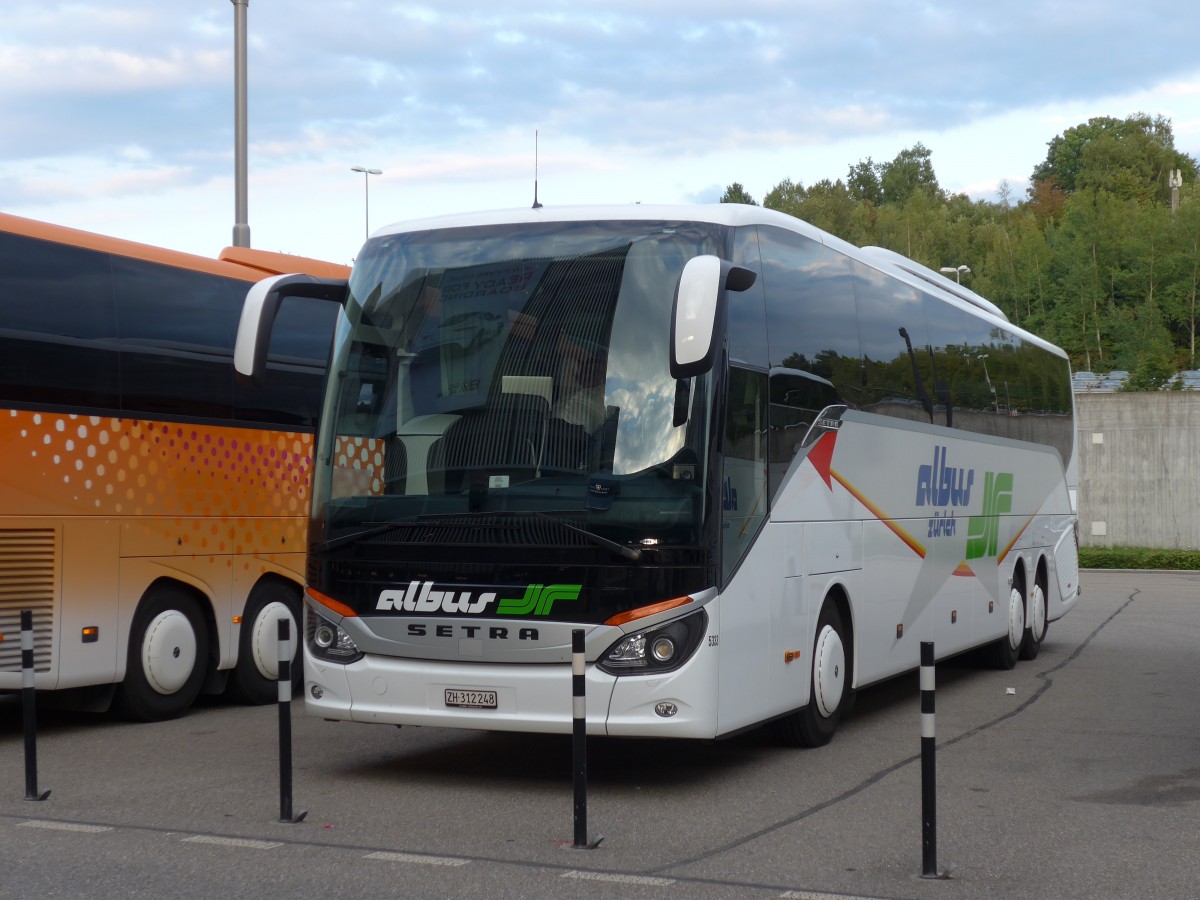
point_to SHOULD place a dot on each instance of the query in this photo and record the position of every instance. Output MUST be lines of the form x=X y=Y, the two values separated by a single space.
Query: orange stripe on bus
x=895 y=526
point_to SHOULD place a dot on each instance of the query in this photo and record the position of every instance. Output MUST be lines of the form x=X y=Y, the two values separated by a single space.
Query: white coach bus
x=756 y=464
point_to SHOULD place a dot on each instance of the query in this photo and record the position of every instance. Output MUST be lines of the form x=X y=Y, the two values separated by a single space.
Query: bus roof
x=267 y=262
x=716 y=213
x=233 y=262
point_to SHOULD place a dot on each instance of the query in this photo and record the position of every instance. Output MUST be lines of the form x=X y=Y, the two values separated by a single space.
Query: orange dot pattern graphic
x=358 y=467
x=60 y=464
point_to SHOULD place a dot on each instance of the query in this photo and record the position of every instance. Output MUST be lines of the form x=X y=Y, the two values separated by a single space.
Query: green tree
x=911 y=172
x=830 y=206
x=735 y=193
x=827 y=205
x=863 y=182
x=1130 y=157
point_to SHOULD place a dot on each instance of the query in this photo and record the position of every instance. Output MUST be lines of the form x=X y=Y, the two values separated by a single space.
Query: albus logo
x=943 y=486
x=420 y=597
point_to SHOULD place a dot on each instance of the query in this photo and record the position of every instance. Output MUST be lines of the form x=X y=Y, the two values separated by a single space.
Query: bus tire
x=1035 y=627
x=168 y=656
x=256 y=676
x=829 y=692
x=1005 y=651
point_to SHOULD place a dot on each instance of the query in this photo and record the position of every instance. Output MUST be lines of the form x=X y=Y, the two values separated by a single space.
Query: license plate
x=471 y=699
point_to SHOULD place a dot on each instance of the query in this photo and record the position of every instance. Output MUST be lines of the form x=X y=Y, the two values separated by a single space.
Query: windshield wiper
x=628 y=552
x=334 y=543
x=631 y=553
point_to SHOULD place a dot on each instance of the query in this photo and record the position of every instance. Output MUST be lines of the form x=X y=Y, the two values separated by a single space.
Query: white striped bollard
x=929 y=866
x=579 y=740
x=928 y=765
x=285 y=726
x=29 y=708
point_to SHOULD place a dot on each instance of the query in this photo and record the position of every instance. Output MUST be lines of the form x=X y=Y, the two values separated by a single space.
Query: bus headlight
x=327 y=641
x=660 y=648
x=325 y=636
x=663 y=648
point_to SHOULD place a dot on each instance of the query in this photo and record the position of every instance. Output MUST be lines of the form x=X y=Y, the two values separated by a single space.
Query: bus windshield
x=523 y=370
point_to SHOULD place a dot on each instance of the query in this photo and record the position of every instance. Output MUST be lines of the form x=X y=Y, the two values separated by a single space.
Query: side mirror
x=698 y=317
x=258 y=316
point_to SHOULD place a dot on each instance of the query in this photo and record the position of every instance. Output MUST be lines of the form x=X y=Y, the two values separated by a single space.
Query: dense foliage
x=1094 y=258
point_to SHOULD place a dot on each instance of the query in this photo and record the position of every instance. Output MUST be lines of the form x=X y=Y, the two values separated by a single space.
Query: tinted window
x=86 y=329
x=177 y=334
x=57 y=324
x=746 y=314
x=950 y=365
x=811 y=319
x=897 y=364
x=962 y=371
x=743 y=488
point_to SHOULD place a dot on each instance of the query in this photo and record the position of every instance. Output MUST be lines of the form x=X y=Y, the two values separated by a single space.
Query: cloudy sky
x=116 y=116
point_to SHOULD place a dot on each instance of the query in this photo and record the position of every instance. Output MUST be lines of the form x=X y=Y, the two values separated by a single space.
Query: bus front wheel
x=829 y=680
x=168 y=656
x=255 y=679
x=1006 y=650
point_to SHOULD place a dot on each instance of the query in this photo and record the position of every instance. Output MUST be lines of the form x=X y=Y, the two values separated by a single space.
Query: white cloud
x=123 y=105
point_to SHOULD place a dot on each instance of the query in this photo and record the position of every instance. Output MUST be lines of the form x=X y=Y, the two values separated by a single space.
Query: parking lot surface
x=1074 y=775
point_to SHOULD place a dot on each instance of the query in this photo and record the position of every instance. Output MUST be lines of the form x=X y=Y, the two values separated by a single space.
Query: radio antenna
x=536 y=204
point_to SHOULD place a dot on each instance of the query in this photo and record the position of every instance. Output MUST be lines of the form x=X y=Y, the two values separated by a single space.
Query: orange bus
x=152 y=507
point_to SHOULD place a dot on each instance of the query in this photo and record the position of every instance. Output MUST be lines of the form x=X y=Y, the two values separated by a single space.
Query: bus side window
x=177 y=364
x=743 y=483
x=58 y=325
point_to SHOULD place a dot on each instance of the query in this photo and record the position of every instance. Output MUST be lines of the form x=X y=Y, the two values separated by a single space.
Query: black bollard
x=928 y=766
x=29 y=708
x=285 y=727
x=579 y=741
x=929 y=866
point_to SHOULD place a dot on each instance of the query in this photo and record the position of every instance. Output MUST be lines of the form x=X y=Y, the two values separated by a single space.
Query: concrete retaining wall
x=1139 y=482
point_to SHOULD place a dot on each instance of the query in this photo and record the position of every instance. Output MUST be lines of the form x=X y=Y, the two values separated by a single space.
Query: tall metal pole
x=241 y=225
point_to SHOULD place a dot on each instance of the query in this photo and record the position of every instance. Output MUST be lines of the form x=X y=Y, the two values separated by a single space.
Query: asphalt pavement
x=1076 y=775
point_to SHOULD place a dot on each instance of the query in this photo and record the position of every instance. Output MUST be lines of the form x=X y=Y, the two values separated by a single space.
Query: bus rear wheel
x=255 y=679
x=829 y=680
x=1035 y=630
x=168 y=657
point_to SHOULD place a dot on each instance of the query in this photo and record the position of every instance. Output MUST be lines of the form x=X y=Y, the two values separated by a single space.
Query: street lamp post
x=241 y=224
x=957 y=271
x=366 y=173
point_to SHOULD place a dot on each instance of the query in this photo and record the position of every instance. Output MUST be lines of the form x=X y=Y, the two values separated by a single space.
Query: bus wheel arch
x=255 y=677
x=1036 y=622
x=830 y=669
x=169 y=652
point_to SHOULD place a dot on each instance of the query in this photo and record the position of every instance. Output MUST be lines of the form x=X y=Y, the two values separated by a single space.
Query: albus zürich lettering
x=946 y=489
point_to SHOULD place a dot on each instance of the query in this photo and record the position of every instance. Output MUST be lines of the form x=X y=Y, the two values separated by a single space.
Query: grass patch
x=1137 y=558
